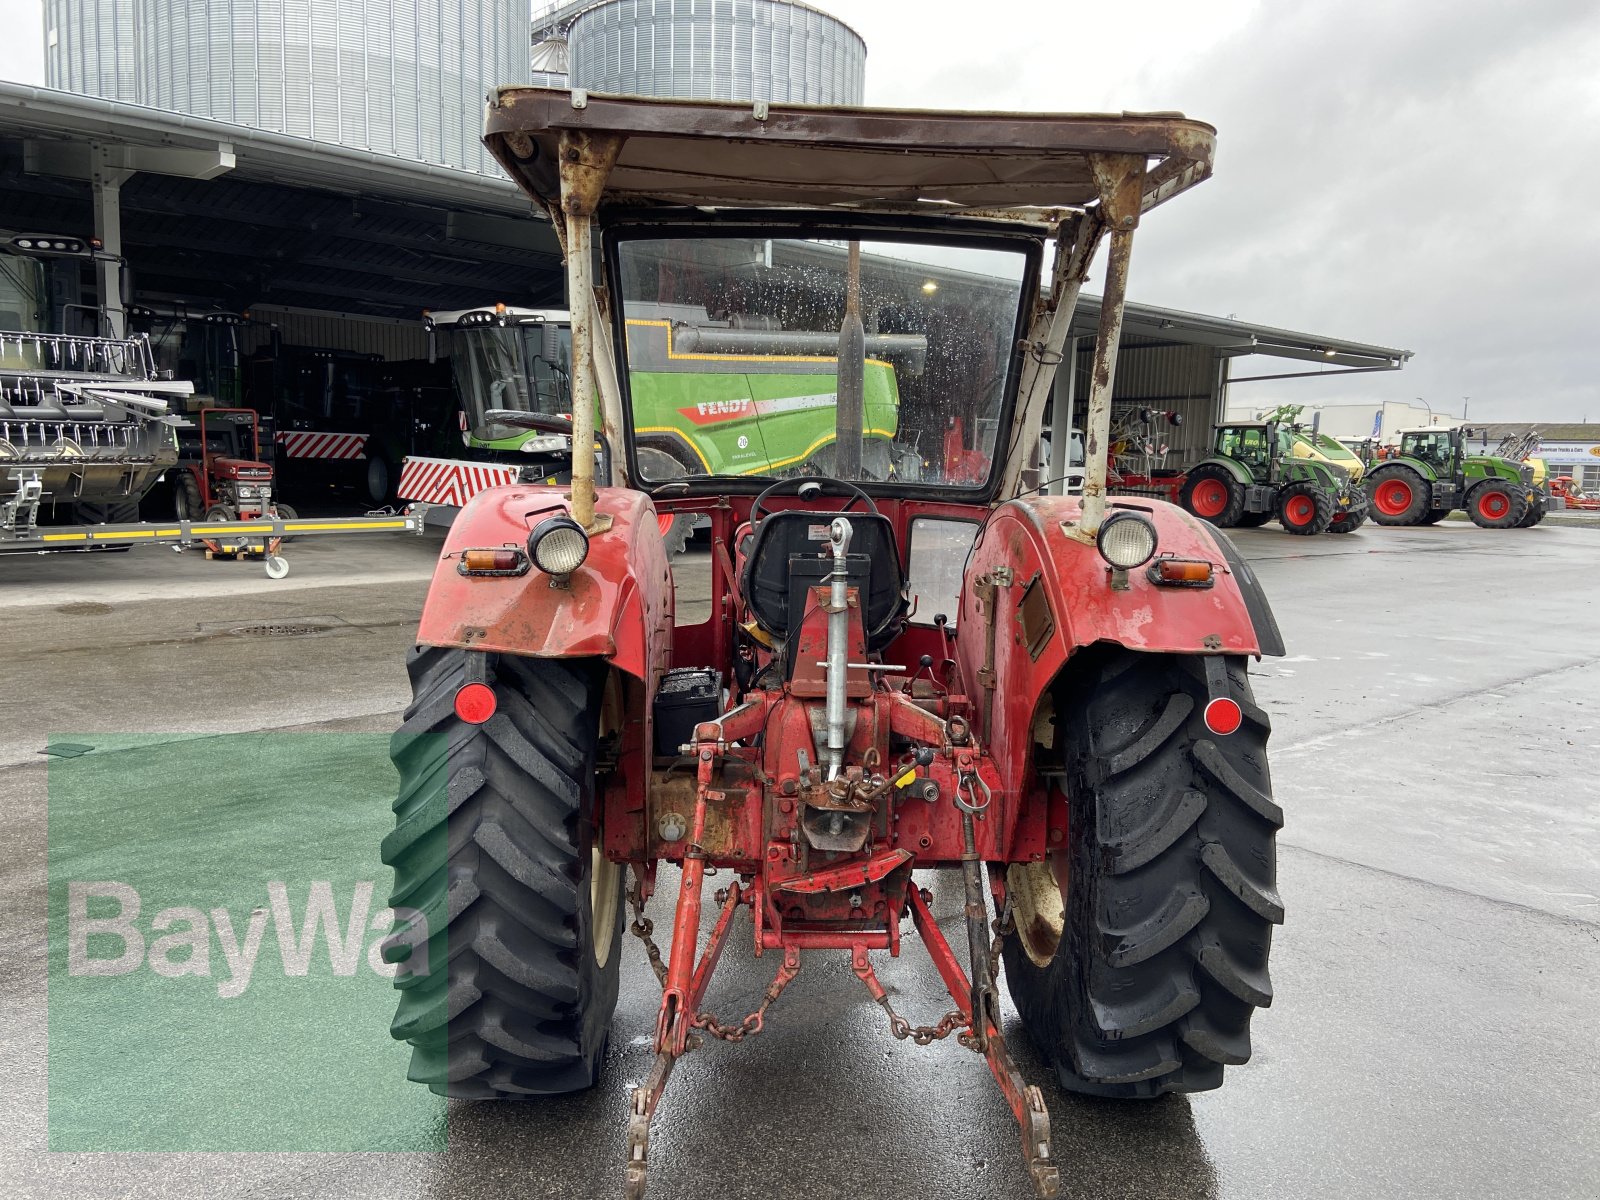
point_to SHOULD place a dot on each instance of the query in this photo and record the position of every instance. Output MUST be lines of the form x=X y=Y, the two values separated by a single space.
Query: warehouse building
x=289 y=213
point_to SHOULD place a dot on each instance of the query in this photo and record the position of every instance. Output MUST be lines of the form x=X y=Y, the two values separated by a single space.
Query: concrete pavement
x=1436 y=749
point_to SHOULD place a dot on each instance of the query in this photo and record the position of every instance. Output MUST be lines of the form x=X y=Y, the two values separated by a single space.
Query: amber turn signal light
x=1180 y=572
x=503 y=560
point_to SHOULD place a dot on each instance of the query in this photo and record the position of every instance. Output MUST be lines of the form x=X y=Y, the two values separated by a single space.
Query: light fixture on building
x=930 y=287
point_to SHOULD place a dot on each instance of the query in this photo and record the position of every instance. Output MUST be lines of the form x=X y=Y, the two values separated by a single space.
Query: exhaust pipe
x=838 y=643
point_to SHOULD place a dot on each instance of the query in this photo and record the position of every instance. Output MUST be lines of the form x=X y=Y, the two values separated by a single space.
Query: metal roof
x=306 y=224
x=291 y=222
x=1148 y=325
x=36 y=112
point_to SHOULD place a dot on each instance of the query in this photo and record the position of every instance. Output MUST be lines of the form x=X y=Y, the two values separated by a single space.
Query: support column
x=1063 y=399
x=586 y=162
x=107 y=180
x=1121 y=181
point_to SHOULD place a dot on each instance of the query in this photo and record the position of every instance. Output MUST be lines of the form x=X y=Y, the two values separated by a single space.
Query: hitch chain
x=753 y=1023
x=642 y=927
x=923 y=1035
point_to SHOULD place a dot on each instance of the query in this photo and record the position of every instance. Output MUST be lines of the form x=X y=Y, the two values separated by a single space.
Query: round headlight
x=1126 y=541
x=558 y=546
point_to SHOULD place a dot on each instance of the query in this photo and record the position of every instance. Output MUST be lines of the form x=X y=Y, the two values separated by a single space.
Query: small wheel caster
x=277 y=566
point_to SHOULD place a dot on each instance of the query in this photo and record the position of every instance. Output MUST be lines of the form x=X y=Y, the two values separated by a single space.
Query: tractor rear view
x=1433 y=476
x=1046 y=697
x=1253 y=475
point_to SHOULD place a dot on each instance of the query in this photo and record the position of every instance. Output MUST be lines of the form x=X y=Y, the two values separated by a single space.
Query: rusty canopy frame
x=1083 y=176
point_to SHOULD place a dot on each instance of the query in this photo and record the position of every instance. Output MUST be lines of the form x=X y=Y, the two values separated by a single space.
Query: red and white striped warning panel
x=306 y=443
x=450 y=481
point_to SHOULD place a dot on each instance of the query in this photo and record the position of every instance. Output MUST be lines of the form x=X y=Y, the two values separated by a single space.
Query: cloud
x=1415 y=175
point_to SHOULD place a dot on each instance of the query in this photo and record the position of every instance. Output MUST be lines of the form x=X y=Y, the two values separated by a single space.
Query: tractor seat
x=790 y=553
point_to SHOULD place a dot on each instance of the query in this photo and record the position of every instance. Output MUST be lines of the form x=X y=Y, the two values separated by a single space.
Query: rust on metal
x=1035 y=621
x=714 y=153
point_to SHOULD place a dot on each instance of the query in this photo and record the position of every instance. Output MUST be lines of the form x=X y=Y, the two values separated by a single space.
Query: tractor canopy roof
x=851 y=159
x=754 y=253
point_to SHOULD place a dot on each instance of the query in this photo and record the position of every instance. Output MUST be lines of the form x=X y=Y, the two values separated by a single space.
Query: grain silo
x=777 y=50
x=399 y=77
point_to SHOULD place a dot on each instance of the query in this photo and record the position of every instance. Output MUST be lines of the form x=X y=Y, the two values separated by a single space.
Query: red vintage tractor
x=220 y=475
x=1047 y=697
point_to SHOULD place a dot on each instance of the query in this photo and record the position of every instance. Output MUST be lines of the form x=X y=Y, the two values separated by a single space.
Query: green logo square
x=216 y=974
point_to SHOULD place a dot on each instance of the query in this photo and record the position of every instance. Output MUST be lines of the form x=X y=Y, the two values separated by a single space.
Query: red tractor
x=220 y=475
x=1047 y=696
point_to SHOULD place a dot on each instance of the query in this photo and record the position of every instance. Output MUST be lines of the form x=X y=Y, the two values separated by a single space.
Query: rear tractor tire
x=495 y=843
x=1304 y=509
x=186 y=502
x=1145 y=979
x=1496 y=504
x=1398 y=496
x=109 y=512
x=1212 y=494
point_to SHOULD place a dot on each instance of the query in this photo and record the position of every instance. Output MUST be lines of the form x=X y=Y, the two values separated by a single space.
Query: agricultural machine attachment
x=885 y=671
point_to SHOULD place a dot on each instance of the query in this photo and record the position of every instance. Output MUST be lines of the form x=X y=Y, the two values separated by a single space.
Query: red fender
x=1059 y=600
x=617 y=605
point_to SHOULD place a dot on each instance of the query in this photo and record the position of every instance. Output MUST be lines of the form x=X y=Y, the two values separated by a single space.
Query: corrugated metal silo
x=400 y=77
x=718 y=49
x=89 y=48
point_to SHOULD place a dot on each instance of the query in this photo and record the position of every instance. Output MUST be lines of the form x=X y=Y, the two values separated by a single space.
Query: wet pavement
x=1436 y=749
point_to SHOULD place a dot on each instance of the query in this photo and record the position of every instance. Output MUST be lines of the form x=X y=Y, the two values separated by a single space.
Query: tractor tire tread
x=1229 y=516
x=1172 y=898
x=488 y=846
x=1322 y=509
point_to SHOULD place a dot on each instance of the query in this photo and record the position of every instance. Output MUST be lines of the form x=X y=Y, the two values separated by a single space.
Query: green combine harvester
x=1434 y=476
x=739 y=396
x=1261 y=470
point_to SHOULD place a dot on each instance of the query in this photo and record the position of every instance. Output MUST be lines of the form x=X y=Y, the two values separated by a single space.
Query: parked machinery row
x=1278 y=468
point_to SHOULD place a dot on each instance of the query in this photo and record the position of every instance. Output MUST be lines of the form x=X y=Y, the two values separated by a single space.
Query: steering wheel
x=802 y=484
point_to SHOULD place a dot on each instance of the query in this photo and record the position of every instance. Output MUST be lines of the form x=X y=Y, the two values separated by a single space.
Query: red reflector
x=475 y=703
x=1223 y=716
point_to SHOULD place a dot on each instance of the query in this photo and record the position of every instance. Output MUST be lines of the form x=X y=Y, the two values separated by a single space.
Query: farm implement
x=896 y=671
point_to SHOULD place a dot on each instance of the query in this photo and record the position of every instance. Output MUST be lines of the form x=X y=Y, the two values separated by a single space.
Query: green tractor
x=1254 y=475
x=1434 y=475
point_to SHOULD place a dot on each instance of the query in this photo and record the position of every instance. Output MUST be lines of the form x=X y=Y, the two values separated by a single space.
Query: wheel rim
x=604 y=896
x=1300 y=510
x=1210 y=497
x=1041 y=914
x=1393 y=497
x=1493 y=505
x=605 y=876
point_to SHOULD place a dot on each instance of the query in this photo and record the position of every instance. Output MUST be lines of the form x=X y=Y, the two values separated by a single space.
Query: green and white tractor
x=1433 y=476
x=1254 y=475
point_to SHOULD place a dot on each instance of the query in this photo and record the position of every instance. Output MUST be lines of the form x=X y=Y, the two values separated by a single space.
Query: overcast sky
x=1420 y=174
